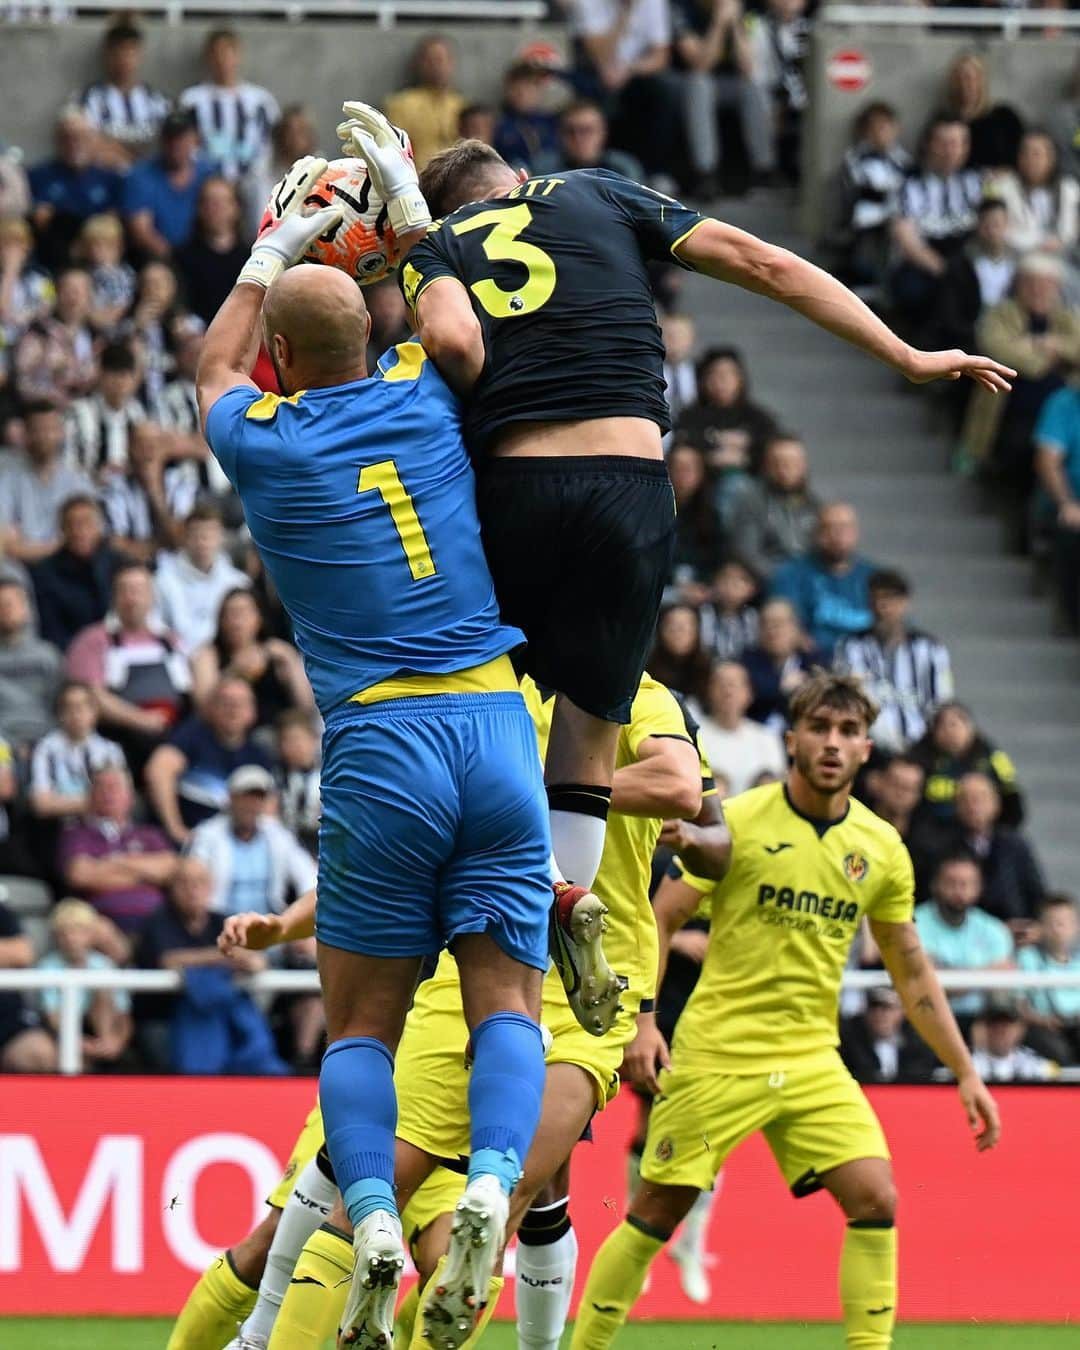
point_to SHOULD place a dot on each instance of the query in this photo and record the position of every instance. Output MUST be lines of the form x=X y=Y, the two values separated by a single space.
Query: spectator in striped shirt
x=66 y=759
x=236 y=121
x=908 y=672
x=99 y=427
x=124 y=110
x=146 y=504
x=871 y=178
x=100 y=249
x=26 y=290
x=936 y=217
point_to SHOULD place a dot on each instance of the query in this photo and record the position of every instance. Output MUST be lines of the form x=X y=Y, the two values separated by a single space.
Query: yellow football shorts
x=308 y=1143
x=814 y=1116
x=432 y=1081
x=437 y=1196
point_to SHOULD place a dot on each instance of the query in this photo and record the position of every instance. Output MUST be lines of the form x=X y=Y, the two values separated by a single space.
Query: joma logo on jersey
x=856 y=867
x=809 y=902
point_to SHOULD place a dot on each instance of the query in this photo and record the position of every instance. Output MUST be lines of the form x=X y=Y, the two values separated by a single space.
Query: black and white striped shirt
x=178 y=409
x=234 y=123
x=97 y=434
x=131 y=117
x=65 y=767
x=127 y=507
x=942 y=208
x=908 y=681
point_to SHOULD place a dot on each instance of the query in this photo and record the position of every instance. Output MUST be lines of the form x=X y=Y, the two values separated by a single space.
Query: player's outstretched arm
x=255 y=932
x=929 y=1013
x=232 y=341
x=730 y=254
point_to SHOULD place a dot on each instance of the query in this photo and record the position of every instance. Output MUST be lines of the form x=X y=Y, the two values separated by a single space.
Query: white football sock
x=578 y=844
x=695 y=1227
x=545 y=1285
x=309 y=1204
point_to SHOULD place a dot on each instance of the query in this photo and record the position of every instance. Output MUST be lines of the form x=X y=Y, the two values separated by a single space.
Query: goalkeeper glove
x=289 y=234
x=384 y=149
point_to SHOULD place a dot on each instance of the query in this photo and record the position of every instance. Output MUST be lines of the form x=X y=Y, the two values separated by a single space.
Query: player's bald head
x=316 y=326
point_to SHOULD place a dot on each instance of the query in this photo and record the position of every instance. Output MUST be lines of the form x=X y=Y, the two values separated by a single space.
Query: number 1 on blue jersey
x=383 y=478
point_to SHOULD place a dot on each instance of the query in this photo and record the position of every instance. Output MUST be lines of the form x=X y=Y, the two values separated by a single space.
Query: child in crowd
x=26 y=291
x=66 y=759
x=680 y=376
x=100 y=248
x=78 y=932
x=729 y=619
x=871 y=176
x=298 y=776
x=1054 y=1014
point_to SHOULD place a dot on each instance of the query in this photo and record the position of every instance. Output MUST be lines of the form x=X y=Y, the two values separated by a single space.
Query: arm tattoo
x=924 y=1004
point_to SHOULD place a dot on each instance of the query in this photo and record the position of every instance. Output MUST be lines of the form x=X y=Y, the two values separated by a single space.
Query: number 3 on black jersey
x=502 y=244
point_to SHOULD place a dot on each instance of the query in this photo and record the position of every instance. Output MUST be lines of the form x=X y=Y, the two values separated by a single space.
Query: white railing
x=72 y=983
x=1010 y=22
x=385 y=12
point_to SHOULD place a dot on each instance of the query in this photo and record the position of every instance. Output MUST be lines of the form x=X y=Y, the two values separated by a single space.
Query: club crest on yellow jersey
x=856 y=866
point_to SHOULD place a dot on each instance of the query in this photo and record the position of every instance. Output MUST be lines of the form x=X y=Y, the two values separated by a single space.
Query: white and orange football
x=363 y=244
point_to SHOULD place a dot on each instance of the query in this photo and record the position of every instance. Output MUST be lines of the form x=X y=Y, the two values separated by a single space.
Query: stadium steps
x=878 y=442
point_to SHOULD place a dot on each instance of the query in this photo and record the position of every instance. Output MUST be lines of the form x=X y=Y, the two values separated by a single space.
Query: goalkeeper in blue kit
x=359 y=496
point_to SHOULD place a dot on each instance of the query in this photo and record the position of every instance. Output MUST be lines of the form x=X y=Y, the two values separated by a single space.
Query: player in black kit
x=531 y=296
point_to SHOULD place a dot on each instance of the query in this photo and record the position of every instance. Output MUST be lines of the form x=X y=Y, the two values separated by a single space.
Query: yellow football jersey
x=783 y=920
x=622 y=882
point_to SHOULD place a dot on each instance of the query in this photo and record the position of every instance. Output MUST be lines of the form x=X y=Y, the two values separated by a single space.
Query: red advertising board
x=114 y=1193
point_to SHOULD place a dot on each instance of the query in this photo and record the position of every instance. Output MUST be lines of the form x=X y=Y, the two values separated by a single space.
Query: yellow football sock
x=615 y=1279
x=315 y=1298
x=868 y=1286
x=418 y=1342
x=219 y=1301
x=405 y=1318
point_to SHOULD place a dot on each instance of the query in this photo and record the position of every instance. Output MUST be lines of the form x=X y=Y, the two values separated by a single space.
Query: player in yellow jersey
x=756 y=1048
x=661 y=774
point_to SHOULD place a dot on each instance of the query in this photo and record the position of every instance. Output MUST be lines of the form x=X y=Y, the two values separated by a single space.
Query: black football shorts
x=580 y=549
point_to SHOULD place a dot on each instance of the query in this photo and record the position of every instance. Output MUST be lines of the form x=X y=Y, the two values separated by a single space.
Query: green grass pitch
x=76 y=1333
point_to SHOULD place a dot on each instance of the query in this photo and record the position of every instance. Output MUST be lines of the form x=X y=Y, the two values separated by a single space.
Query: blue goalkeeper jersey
x=360 y=500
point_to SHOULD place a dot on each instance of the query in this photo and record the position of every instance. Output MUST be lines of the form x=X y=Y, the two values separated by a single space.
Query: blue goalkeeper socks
x=505 y=1091
x=356 y=1092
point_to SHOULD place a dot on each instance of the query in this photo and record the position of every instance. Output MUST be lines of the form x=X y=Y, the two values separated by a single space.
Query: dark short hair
x=78 y=499
x=878 y=108
x=905 y=761
x=459 y=175
x=1058 y=900
x=38 y=407
x=890 y=581
x=70 y=686
x=955 y=856
x=989 y=204
x=217 y=35
x=129 y=565
x=119 y=357
x=580 y=105
x=204 y=511
x=122 y=31
x=827 y=689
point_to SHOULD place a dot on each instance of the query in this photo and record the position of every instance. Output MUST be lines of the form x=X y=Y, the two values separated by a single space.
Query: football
x=363 y=244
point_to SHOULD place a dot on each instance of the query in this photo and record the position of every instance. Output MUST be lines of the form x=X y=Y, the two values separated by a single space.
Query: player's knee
x=659 y=1210
x=249 y=1255
x=872 y=1201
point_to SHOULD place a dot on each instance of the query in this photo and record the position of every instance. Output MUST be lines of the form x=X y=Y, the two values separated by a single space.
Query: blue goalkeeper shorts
x=434 y=824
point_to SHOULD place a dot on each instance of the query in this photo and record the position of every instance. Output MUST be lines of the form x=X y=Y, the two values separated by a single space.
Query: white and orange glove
x=386 y=151
x=287 y=233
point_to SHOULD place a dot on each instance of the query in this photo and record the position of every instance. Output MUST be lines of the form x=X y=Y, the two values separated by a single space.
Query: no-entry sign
x=849 y=70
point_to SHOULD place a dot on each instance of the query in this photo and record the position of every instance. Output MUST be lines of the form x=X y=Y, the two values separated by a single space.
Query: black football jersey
x=557 y=275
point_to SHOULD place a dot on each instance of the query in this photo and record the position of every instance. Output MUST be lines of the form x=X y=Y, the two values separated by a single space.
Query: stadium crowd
x=159 y=760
